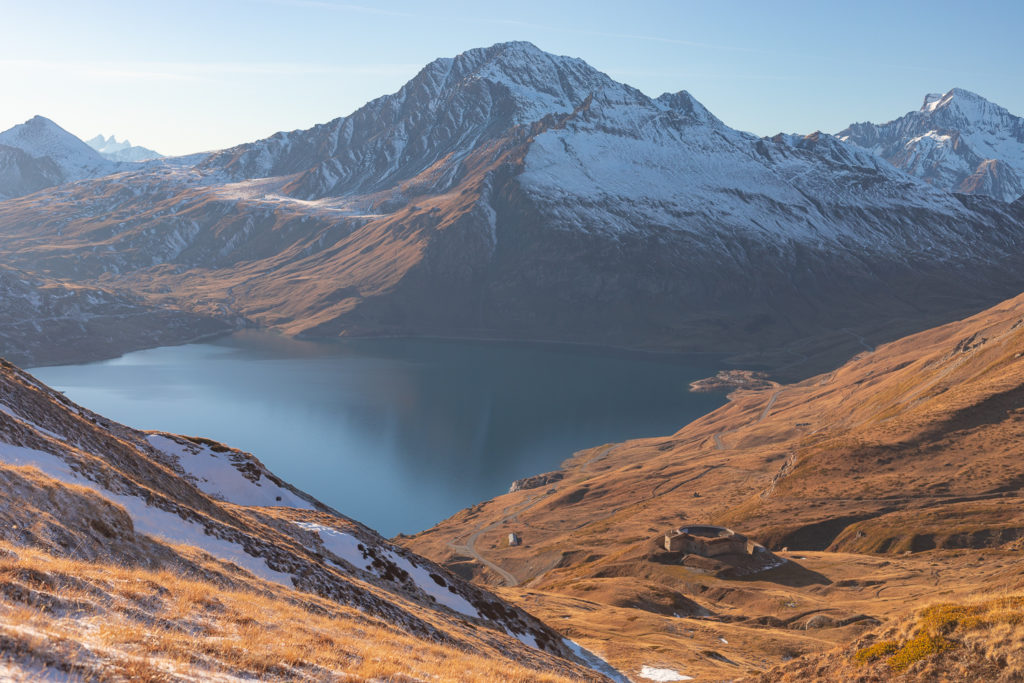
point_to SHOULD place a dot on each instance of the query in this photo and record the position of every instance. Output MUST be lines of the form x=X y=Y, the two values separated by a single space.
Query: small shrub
x=876 y=651
x=921 y=646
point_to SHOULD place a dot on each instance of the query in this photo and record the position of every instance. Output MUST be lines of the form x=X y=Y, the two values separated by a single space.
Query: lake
x=397 y=433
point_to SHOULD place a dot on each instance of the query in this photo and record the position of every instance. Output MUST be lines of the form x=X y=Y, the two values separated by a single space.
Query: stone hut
x=514 y=539
x=707 y=541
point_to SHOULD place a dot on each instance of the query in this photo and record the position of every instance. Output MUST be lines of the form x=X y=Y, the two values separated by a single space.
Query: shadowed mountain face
x=21 y=173
x=508 y=192
x=957 y=141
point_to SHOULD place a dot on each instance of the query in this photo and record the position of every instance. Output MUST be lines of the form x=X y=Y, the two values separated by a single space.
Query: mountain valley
x=886 y=484
x=853 y=512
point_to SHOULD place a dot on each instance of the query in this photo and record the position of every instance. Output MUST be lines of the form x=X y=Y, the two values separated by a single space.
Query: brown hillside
x=890 y=481
x=976 y=640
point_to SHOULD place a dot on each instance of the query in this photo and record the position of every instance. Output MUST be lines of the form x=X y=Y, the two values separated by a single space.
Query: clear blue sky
x=190 y=75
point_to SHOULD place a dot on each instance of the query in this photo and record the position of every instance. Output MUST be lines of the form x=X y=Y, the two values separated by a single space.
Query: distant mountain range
x=38 y=154
x=958 y=141
x=114 y=150
x=508 y=192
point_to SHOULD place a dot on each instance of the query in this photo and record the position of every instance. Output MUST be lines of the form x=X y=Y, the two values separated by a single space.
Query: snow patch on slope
x=148 y=520
x=7 y=410
x=595 y=662
x=215 y=474
x=349 y=548
x=656 y=674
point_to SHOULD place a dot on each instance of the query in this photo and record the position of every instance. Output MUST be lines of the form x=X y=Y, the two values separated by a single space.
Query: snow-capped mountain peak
x=122 y=150
x=538 y=82
x=449 y=108
x=952 y=98
x=966 y=109
x=40 y=137
x=957 y=140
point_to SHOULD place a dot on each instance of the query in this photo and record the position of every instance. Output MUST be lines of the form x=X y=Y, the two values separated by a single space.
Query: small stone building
x=707 y=541
x=514 y=539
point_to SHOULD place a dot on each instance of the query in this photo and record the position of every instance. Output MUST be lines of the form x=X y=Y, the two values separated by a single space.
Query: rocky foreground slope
x=889 y=483
x=508 y=192
x=127 y=555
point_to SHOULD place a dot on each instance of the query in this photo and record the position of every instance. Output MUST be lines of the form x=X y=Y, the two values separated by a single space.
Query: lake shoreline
x=397 y=432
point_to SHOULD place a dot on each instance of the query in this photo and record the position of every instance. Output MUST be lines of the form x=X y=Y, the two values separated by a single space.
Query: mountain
x=131 y=555
x=511 y=193
x=39 y=154
x=884 y=485
x=957 y=141
x=46 y=321
x=40 y=137
x=21 y=173
x=124 y=150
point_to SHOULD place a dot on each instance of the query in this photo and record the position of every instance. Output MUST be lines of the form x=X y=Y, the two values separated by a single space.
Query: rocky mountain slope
x=127 y=554
x=46 y=321
x=21 y=173
x=507 y=192
x=889 y=483
x=957 y=141
x=121 y=150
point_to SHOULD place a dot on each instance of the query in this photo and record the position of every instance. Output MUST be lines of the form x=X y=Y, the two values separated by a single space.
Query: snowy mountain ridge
x=449 y=108
x=957 y=141
x=41 y=137
x=509 y=192
x=122 y=150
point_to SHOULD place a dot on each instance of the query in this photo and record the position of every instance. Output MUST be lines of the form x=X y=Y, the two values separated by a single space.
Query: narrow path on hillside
x=469 y=547
x=720 y=445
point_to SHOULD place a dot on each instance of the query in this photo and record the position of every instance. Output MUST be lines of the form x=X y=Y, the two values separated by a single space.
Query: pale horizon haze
x=192 y=76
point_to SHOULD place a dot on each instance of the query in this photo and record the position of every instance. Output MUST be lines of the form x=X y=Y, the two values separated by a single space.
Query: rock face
x=957 y=141
x=535 y=482
x=507 y=192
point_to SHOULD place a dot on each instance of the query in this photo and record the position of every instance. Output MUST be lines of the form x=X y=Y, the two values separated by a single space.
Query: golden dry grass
x=117 y=623
x=978 y=639
x=911 y=450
